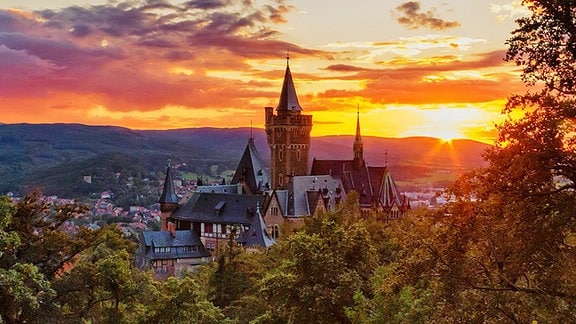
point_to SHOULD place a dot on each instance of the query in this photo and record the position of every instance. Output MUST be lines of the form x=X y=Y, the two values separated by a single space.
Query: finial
x=288 y=57
x=386 y=158
x=169 y=163
x=251 y=136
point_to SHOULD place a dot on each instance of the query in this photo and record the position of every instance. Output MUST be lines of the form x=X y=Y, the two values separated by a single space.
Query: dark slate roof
x=257 y=235
x=301 y=196
x=312 y=199
x=177 y=244
x=288 y=97
x=251 y=170
x=234 y=208
x=354 y=177
x=168 y=195
x=302 y=184
x=227 y=189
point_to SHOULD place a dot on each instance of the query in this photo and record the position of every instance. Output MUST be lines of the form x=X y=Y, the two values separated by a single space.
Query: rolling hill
x=55 y=157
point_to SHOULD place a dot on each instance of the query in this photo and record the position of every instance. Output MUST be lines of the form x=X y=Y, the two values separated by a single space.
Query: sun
x=447 y=135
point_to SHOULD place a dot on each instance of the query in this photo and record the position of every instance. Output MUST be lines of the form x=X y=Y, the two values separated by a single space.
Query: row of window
x=168 y=249
x=219 y=230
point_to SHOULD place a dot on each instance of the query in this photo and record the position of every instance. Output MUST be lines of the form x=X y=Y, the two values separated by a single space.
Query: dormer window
x=218 y=208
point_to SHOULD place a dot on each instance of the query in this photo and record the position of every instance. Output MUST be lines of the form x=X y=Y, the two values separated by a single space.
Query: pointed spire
x=168 y=192
x=250 y=171
x=358 y=146
x=358 y=138
x=288 y=97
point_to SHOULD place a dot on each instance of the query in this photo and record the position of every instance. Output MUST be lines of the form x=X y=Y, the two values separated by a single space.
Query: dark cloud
x=122 y=54
x=81 y=30
x=412 y=17
x=405 y=84
x=344 y=68
x=206 y=4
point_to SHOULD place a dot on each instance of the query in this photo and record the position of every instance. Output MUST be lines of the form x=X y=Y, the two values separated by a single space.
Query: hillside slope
x=54 y=157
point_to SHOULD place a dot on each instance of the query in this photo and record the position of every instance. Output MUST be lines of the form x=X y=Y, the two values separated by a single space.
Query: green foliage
x=48 y=274
x=181 y=301
x=23 y=289
x=504 y=250
x=320 y=268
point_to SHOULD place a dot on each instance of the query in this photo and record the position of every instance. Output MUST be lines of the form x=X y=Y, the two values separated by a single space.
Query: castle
x=254 y=207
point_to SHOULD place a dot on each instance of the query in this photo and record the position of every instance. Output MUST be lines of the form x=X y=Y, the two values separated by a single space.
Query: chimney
x=172 y=229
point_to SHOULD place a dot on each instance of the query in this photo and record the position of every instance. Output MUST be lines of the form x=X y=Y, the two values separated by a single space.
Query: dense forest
x=502 y=252
x=56 y=157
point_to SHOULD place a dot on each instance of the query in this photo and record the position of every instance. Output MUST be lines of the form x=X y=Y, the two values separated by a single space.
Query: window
x=190 y=249
x=162 y=249
x=275 y=231
x=274 y=211
x=208 y=229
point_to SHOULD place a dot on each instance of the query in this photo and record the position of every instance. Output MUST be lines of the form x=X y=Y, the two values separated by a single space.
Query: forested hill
x=53 y=156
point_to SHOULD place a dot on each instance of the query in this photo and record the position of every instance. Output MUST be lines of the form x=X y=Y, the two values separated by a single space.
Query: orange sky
x=414 y=68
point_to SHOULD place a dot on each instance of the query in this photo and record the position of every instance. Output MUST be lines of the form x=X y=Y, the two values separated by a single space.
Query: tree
x=505 y=251
x=53 y=272
x=180 y=301
x=22 y=287
x=102 y=284
x=319 y=269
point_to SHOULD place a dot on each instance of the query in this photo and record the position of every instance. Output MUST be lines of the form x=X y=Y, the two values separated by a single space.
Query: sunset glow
x=437 y=70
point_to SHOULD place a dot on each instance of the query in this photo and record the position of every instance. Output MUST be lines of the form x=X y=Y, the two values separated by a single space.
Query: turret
x=168 y=199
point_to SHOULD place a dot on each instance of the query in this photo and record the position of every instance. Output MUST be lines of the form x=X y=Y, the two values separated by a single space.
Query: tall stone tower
x=288 y=134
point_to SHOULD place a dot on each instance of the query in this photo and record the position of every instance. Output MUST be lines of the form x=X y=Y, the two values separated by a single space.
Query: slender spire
x=168 y=192
x=288 y=97
x=358 y=146
x=358 y=137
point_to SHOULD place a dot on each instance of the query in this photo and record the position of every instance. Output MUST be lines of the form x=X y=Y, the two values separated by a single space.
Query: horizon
x=412 y=68
x=247 y=128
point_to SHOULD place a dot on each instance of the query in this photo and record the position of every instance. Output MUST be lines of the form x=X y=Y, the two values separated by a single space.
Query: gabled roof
x=234 y=208
x=257 y=235
x=354 y=177
x=177 y=243
x=168 y=195
x=304 y=191
x=288 y=98
x=388 y=194
x=282 y=197
x=251 y=171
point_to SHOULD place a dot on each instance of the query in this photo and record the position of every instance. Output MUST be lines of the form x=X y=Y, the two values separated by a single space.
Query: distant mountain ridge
x=34 y=154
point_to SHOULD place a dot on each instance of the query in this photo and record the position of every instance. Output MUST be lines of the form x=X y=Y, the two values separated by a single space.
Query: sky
x=411 y=68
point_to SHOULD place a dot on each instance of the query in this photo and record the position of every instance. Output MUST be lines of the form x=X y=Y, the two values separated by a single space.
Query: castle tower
x=358 y=146
x=168 y=199
x=288 y=134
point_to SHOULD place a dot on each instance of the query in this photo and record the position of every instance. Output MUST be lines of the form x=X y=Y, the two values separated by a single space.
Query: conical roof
x=251 y=170
x=288 y=97
x=168 y=192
